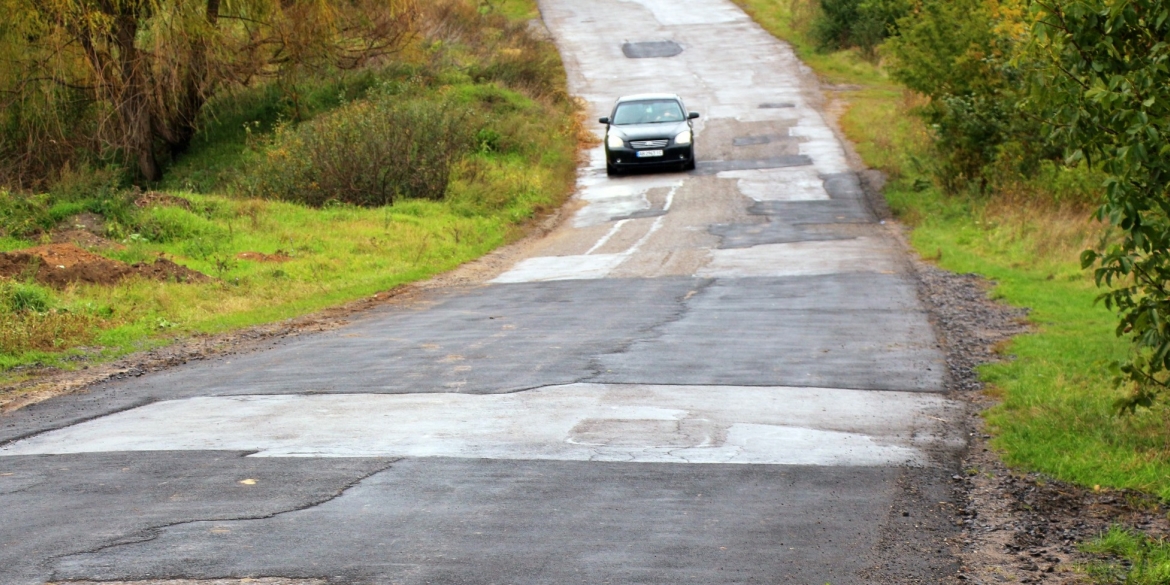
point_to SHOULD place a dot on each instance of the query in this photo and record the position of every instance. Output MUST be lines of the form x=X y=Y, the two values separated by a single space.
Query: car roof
x=648 y=96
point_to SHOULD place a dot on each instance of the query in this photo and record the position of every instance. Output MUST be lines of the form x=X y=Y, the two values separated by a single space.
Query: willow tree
x=143 y=69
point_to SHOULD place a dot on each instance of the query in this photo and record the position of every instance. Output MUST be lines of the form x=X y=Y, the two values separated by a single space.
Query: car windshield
x=647 y=112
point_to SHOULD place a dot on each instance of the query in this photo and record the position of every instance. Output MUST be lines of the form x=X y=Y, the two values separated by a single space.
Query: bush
x=842 y=24
x=966 y=58
x=367 y=153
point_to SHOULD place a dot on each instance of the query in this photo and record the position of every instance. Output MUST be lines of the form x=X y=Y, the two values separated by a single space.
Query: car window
x=647 y=112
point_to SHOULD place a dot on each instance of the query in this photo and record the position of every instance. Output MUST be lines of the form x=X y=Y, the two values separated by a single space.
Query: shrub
x=23 y=215
x=368 y=153
x=842 y=24
x=965 y=56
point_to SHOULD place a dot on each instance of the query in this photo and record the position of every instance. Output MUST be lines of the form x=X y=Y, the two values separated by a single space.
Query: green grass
x=1056 y=414
x=1149 y=558
x=338 y=254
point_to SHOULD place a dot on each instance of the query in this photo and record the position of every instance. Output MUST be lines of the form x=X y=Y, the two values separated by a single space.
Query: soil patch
x=165 y=270
x=159 y=199
x=84 y=239
x=59 y=265
x=1016 y=527
x=277 y=256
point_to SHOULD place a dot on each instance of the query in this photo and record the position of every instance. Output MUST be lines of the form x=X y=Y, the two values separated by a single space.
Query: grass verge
x=1056 y=414
x=1134 y=559
x=269 y=259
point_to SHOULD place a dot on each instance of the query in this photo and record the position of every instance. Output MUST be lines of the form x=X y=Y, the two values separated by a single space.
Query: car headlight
x=615 y=141
x=683 y=138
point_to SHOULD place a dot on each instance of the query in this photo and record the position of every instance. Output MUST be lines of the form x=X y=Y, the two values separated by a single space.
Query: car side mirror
x=603 y=120
x=693 y=115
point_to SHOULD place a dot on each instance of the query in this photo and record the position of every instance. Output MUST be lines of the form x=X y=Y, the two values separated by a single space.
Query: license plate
x=648 y=153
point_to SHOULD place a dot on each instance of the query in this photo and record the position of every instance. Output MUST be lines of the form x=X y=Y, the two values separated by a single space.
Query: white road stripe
x=610 y=234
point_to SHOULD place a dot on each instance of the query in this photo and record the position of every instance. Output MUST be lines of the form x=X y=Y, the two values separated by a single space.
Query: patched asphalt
x=570 y=421
x=460 y=521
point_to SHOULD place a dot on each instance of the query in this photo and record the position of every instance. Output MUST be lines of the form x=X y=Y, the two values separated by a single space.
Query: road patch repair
x=580 y=422
x=723 y=376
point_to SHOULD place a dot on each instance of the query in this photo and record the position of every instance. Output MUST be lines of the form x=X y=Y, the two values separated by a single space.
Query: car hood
x=650 y=131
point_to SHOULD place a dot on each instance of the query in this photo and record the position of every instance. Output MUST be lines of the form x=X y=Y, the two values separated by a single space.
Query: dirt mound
x=158 y=199
x=58 y=265
x=163 y=269
x=277 y=256
x=84 y=239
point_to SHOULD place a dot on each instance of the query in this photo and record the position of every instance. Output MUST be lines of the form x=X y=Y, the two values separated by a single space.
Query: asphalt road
x=721 y=376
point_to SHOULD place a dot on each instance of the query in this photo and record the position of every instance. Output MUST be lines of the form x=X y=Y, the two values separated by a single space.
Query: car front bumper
x=671 y=155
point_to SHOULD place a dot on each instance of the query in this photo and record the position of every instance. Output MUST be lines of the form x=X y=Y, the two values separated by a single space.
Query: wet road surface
x=721 y=376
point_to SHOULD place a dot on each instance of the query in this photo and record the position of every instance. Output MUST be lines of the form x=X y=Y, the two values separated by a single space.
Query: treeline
x=128 y=83
x=1021 y=96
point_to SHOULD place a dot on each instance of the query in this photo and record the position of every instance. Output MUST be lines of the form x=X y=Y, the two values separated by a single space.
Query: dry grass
x=30 y=331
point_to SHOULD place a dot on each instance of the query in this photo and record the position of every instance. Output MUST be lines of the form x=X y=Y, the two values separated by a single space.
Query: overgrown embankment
x=297 y=194
x=984 y=190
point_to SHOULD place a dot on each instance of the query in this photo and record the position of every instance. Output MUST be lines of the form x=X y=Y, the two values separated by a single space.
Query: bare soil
x=59 y=265
x=277 y=256
x=84 y=239
x=159 y=199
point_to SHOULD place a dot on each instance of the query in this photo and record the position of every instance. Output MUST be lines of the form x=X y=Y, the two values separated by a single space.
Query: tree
x=1110 y=100
x=147 y=67
x=961 y=55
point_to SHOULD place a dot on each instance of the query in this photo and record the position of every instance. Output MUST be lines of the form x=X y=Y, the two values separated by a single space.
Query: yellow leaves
x=1008 y=17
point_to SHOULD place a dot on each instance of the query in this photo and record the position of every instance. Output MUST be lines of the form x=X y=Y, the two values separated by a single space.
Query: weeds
x=30 y=321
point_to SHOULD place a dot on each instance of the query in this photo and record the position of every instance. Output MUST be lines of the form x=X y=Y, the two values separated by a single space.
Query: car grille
x=648 y=143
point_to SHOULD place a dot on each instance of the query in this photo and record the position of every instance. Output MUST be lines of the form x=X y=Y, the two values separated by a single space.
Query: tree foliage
x=842 y=24
x=132 y=76
x=1109 y=97
x=965 y=56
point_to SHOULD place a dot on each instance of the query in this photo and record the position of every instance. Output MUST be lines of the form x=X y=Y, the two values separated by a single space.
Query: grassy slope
x=337 y=254
x=1056 y=413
